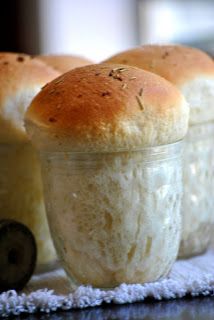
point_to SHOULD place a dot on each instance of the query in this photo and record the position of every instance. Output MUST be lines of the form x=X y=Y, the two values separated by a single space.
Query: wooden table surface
x=201 y=308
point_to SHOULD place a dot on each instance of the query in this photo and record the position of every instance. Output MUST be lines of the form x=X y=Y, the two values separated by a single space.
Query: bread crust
x=106 y=107
x=176 y=63
x=21 y=78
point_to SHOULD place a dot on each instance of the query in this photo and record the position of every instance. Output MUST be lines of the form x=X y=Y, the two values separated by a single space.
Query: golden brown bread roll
x=106 y=108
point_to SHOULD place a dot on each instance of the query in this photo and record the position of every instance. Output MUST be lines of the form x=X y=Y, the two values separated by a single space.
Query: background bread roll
x=190 y=69
x=21 y=78
x=64 y=63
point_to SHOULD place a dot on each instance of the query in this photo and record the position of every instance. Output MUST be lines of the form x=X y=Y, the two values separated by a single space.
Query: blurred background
x=98 y=29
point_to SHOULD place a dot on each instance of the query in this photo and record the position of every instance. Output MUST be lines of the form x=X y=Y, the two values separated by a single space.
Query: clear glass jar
x=198 y=199
x=21 y=196
x=114 y=217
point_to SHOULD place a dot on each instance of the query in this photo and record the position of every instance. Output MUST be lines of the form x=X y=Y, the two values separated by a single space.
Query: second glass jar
x=198 y=199
x=21 y=197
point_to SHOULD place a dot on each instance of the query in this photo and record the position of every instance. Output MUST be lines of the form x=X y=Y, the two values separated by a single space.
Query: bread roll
x=64 y=63
x=114 y=216
x=106 y=108
x=190 y=69
x=21 y=78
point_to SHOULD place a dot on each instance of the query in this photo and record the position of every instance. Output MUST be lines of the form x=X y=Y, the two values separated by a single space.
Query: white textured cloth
x=50 y=291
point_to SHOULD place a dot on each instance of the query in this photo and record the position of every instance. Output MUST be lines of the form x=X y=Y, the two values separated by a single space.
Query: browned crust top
x=175 y=63
x=92 y=97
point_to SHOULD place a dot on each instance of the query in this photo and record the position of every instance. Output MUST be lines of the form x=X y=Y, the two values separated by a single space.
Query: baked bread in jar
x=109 y=141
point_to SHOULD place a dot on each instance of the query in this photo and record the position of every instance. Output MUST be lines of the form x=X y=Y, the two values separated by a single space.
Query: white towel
x=49 y=292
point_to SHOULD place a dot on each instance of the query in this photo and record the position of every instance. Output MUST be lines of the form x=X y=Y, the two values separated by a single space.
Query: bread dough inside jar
x=21 y=196
x=115 y=217
x=198 y=178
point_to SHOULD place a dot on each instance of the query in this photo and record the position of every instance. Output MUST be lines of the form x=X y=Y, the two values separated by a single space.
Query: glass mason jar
x=198 y=199
x=114 y=217
x=21 y=196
